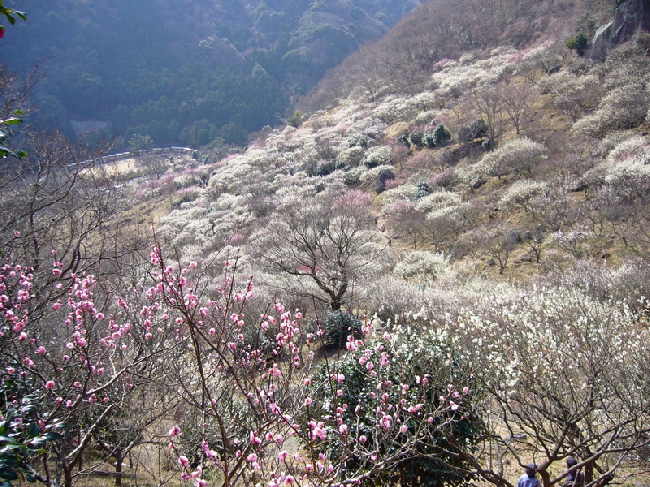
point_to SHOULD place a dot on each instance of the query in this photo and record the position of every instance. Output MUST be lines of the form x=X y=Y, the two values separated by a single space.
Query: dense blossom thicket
x=551 y=363
x=248 y=381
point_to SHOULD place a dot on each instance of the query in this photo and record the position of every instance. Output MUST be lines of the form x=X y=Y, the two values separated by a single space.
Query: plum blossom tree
x=568 y=374
x=328 y=243
x=82 y=359
x=517 y=102
x=53 y=200
x=521 y=192
x=572 y=94
x=487 y=104
x=520 y=154
x=405 y=221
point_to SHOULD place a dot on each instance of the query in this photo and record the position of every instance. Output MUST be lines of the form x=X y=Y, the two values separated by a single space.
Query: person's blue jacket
x=526 y=481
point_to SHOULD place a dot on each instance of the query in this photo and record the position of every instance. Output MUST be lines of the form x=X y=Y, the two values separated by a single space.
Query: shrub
x=441 y=135
x=422 y=189
x=295 y=120
x=578 y=43
x=323 y=168
x=429 y=139
x=377 y=156
x=418 y=372
x=384 y=176
x=478 y=129
x=337 y=327
x=416 y=138
x=623 y=107
x=22 y=436
x=421 y=264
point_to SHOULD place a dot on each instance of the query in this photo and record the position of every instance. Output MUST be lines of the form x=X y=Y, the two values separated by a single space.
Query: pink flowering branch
x=78 y=361
x=253 y=399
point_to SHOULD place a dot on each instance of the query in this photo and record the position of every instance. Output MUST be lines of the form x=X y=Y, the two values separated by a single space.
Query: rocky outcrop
x=629 y=17
x=384 y=175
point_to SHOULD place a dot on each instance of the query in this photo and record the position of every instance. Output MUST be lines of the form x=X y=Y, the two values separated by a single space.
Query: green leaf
x=39 y=442
x=12 y=121
x=33 y=429
x=5 y=456
x=22 y=15
x=8 y=474
x=28 y=409
x=11 y=446
x=8 y=460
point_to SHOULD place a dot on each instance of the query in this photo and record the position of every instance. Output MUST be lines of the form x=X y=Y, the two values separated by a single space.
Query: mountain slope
x=492 y=166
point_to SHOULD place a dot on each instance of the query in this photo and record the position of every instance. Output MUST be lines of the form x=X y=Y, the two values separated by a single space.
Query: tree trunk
x=589 y=473
x=60 y=461
x=118 y=467
x=68 y=476
x=47 y=470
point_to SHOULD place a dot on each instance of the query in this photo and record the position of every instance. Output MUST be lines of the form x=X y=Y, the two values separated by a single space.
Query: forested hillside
x=186 y=72
x=437 y=276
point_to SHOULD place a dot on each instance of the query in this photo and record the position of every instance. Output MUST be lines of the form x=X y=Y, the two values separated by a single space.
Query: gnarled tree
x=327 y=243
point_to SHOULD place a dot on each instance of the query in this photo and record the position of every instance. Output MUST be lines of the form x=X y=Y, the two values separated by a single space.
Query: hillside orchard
x=426 y=283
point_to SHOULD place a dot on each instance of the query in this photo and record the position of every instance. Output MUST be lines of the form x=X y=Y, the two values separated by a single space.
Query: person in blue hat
x=529 y=479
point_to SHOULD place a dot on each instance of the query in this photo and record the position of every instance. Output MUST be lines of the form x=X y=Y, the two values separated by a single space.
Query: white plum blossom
x=438 y=200
x=521 y=192
x=421 y=264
